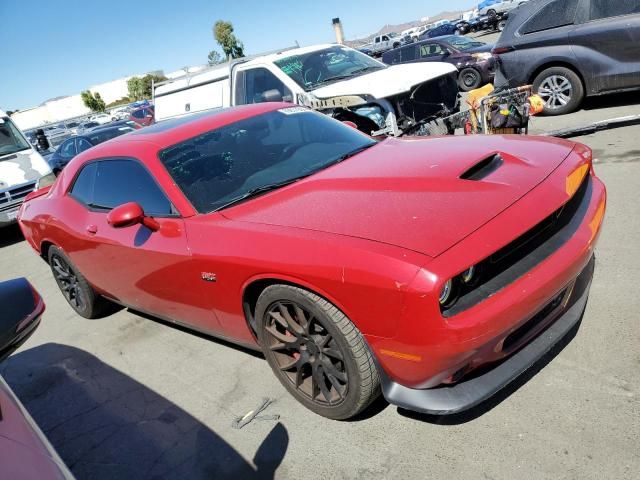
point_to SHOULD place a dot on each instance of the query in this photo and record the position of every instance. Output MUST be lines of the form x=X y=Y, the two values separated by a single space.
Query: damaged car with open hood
x=333 y=79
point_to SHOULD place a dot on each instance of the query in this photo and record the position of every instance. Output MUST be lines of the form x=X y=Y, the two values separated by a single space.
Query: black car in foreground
x=569 y=49
x=79 y=143
x=472 y=58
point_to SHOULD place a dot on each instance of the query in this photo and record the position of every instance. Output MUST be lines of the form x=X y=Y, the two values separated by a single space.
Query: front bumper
x=447 y=400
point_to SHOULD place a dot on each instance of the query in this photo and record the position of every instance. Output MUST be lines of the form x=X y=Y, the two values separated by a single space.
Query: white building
x=62 y=108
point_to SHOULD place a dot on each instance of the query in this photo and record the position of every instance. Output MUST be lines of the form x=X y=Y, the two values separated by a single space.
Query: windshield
x=310 y=70
x=11 y=140
x=463 y=43
x=226 y=164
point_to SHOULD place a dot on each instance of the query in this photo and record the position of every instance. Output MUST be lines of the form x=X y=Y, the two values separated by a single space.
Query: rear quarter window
x=553 y=15
x=82 y=189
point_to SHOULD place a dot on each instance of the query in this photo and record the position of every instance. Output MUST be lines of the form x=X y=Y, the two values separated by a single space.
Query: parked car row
x=472 y=58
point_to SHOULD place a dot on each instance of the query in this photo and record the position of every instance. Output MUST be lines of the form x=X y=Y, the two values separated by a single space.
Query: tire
x=327 y=352
x=492 y=13
x=469 y=79
x=501 y=25
x=74 y=287
x=561 y=89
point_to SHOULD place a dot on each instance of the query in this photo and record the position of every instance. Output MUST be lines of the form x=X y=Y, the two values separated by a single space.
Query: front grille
x=11 y=195
x=524 y=253
x=518 y=335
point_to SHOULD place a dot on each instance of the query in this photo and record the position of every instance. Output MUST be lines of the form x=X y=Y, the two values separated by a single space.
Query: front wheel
x=560 y=88
x=469 y=79
x=492 y=14
x=316 y=352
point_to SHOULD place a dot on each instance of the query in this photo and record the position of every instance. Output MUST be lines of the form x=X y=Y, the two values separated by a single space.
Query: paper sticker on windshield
x=292 y=110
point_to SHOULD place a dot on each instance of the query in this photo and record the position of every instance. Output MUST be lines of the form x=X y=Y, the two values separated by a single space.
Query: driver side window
x=430 y=50
x=259 y=85
x=68 y=148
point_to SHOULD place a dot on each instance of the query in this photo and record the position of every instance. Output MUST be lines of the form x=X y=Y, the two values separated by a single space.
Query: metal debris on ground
x=254 y=414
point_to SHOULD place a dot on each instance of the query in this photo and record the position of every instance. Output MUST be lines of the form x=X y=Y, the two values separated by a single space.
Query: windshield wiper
x=260 y=190
x=352 y=153
x=254 y=192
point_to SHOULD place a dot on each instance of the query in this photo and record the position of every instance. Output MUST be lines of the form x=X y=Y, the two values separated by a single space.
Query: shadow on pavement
x=105 y=425
x=10 y=235
x=611 y=101
x=495 y=400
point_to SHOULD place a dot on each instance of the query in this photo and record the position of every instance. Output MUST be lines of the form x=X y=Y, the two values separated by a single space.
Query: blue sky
x=53 y=48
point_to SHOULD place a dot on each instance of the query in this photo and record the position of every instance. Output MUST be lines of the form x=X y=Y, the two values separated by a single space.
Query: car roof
x=172 y=131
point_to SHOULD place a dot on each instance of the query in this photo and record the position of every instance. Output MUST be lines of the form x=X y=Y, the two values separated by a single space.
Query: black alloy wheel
x=68 y=283
x=76 y=290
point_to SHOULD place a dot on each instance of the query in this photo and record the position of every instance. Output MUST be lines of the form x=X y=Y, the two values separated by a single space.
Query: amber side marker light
x=575 y=178
x=401 y=356
x=596 y=221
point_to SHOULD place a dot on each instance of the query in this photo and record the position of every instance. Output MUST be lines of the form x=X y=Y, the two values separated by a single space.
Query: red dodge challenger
x=436 y=270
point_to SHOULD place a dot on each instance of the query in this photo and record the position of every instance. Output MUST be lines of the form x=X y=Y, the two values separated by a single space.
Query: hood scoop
x=483 y=168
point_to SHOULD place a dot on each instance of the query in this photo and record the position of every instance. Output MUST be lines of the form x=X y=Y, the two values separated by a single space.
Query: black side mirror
x=22 y=308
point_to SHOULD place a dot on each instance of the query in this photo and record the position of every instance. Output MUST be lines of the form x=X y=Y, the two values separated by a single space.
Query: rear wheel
x=316 y=352
x=74 y=287
x=469 y=79
x=560 y=88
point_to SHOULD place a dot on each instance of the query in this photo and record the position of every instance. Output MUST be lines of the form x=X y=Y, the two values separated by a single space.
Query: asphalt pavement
x=130 y=397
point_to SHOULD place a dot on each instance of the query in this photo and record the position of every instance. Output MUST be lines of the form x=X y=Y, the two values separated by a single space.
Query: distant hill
x=403 y=26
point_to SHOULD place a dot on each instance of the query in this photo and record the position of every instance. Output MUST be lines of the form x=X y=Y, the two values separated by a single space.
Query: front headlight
x=482 y=56
x=446 y=293
x=48 y=179
x=469 y=275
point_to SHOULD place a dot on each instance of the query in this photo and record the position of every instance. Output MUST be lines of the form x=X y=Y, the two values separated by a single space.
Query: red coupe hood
x=410 y=193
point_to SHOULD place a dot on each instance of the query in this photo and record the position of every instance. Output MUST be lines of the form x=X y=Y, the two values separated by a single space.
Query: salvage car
x=435 y=269
x=79 y=143
x=472 y=58
x=25 y=453
x=333 y=79
x=571 y=49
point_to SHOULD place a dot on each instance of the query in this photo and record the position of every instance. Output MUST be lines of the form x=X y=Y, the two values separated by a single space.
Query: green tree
x=215 y=58
x=93 y=101
x=141 y=87
x=223 y=34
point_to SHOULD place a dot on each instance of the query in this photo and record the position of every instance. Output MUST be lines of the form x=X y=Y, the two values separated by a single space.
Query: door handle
x=92 y=229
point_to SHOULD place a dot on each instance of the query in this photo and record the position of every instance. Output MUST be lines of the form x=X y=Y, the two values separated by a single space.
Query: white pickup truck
x=22 y=170
x=334 y=79
x=383 y=43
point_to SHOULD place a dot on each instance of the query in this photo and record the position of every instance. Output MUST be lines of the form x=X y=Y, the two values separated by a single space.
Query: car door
x=141 y=268
x=607 y=44
x=257 y=85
